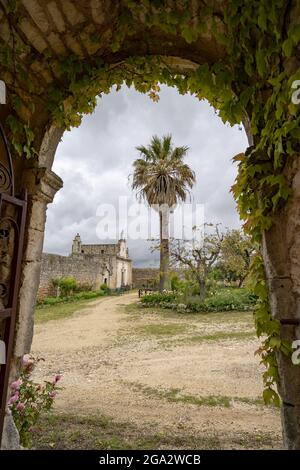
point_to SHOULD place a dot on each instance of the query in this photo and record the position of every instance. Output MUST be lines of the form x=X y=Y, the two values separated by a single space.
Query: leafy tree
x=198 y=258
x=162 y=178
x=236 y=255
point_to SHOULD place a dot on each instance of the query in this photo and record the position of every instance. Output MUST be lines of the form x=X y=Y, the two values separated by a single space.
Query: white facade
x=115 y=267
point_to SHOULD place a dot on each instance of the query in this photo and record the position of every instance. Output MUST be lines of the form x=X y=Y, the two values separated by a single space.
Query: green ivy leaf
x=260 y=57
x=271 y=397
x=287 y=47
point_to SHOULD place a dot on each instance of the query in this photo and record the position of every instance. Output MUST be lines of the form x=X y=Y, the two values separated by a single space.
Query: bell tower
x=76 y=246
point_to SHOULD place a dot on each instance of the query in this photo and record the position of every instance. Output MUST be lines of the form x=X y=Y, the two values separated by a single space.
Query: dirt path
x=160 y=372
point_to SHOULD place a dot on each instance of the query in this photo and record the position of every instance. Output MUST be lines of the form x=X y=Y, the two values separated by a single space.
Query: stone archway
x=53 y=51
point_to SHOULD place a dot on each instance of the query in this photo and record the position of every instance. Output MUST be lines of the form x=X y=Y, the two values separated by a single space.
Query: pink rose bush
x=14 y=398
x=28 y=399
x=16 y=384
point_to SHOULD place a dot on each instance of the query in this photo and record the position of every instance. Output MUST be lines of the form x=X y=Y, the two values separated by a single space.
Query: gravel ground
x=155 y=372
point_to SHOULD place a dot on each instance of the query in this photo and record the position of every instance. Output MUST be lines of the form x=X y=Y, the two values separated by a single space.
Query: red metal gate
x=12 y=224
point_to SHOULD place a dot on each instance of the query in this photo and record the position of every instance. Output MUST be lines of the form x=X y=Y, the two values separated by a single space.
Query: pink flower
x=13 y=398
x=16 y=384
x=26 y=359
x=57 y=377
x=52 y=394
x=28 y=363
x=20 y=406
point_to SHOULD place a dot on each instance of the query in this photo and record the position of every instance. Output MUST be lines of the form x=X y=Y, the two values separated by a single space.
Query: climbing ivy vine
x=253 y=81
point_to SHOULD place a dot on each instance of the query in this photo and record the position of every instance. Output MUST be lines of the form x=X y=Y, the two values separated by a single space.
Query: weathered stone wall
x=85 y=269
x=107 y=249
x=113 y=249
x=144 y=276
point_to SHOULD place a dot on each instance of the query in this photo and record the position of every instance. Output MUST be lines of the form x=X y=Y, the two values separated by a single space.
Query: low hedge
x=224 y=299
x=73 y=298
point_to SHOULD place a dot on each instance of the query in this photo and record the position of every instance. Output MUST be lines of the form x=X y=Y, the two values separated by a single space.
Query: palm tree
x=162 y=179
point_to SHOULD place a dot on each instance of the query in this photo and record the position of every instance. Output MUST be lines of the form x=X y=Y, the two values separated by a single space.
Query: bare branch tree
x=198 y=258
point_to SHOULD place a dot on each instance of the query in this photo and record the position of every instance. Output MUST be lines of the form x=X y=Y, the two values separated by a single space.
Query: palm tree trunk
x=164 y=248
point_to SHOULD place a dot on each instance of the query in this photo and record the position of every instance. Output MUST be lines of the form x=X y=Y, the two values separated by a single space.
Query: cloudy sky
x=95 y=160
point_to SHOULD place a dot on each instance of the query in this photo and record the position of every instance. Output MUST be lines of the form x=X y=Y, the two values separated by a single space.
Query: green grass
x=56 y=308
x=72 y=298
x=175 y=395
x=229 y=316
x=162 y=329
x=68 y=431
x=136 y=310
x=46 y=313
x=212 y=337
x=173 y=329
x=189 y=323
x=222 y=335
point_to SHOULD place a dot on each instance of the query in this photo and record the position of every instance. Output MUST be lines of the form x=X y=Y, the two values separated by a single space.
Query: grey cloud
x=95 y=160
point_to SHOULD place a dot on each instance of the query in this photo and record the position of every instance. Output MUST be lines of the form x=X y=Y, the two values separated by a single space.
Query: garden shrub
x=222 y=299
x=231 y=298
x=104 y=288
x=177 y=284
x=73 y=298
x=88 y=295
x=66 y=285
x=158 y=298
x=28 y=399
x=83 y=287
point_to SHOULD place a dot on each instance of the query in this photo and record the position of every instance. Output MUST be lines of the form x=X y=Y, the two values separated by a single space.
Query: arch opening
x=214 y=39
x=117 y=123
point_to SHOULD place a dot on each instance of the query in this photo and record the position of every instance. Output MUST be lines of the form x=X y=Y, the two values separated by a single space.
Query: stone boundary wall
x=85 y=269
x=144 y=276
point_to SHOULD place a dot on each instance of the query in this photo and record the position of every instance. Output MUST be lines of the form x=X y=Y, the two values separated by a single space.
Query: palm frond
x=160 y=176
